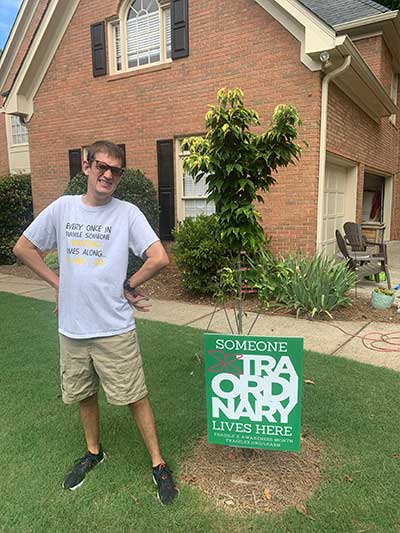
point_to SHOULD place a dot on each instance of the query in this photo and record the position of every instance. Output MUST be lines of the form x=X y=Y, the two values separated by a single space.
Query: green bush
x=51 y=260
x=16 y=212
x=135 y=188
x=200 y=253
x=311 y=286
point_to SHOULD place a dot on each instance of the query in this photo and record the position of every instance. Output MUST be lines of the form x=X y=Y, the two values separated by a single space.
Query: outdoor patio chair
x=363 y=263
x=354 y=237
x=358 y=243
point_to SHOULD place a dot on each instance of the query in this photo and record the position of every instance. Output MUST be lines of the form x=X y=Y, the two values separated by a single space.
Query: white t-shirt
x=93 y=247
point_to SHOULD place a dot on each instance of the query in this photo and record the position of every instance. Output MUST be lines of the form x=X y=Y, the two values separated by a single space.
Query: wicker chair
x=363 y=263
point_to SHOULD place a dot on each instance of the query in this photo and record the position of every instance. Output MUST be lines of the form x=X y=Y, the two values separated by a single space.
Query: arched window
x=141 y=35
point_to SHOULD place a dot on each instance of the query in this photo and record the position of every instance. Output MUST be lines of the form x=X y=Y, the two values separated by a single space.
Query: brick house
x=142 y=73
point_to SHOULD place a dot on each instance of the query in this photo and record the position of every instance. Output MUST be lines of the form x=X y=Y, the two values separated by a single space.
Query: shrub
x=313 y=286
x=16 y=212
x=51 y=260
x=135 y=188
x=200 y=253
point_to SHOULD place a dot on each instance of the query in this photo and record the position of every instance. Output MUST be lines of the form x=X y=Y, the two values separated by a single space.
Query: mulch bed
x=247 y=481
x=167 y=286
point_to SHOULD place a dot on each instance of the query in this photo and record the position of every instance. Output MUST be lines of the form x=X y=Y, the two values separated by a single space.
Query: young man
x=93 y=234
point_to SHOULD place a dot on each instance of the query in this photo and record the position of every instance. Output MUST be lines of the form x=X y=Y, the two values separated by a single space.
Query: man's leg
x=143 y=416
x=123 y=351
x=89 y=412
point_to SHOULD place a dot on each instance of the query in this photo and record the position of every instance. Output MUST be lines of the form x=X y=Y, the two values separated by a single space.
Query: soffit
x=14 y=41
x=315 y=36
x=359 y=83
x=38 y=57
x=388 y=25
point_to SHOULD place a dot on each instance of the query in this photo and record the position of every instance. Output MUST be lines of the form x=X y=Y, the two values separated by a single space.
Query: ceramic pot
x=381 y=301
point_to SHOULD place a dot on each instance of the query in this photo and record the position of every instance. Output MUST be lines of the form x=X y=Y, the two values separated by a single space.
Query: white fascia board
x=367 y=21
x=313 y=34
x=17 y=104
x=378 y=101
x=14 y=41
x=387 y=23
x=39 y=57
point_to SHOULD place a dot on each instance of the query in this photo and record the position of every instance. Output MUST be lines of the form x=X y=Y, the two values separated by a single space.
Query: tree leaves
x=237 y=164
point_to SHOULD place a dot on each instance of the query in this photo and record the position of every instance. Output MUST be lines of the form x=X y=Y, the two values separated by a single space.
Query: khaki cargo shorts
x=114 y=361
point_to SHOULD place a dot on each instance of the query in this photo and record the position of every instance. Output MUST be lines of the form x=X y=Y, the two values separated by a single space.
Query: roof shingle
x=341 y=11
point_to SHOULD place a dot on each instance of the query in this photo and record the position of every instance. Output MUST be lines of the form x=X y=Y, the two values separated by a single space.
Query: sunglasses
x=102 y=167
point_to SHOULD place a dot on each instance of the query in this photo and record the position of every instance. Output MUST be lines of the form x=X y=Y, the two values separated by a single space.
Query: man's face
x=104 y=175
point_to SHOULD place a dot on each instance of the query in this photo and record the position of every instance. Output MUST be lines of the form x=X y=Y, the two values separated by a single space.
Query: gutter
x=366 y=21
x=322 y=144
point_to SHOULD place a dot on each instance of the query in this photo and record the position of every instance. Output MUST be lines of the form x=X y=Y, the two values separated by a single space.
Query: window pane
x=143 y=37
x=194 y=208
x=191 y=188
x=152 y=6
x=167 y=29
x=117 y=31
x=19 y=132
x=134 y=9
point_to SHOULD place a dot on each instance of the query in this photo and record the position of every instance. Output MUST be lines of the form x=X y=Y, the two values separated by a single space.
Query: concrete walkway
x=353 y=340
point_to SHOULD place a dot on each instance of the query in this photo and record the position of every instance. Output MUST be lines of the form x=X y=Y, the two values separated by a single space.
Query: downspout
x=322 y=144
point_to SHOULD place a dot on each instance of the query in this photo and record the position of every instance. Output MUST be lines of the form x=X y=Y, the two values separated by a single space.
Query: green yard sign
x=253 y=387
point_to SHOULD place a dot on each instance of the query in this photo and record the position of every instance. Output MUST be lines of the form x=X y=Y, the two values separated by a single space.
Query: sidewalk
x=340 y=339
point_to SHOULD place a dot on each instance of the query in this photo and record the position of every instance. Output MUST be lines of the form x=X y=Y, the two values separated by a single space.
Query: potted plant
x=382 y=298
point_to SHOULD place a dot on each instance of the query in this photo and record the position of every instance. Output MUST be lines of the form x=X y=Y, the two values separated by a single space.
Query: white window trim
x=164 y=4
x=11 y=143
x=18 y=154
x=180 y=198
x=393 y=93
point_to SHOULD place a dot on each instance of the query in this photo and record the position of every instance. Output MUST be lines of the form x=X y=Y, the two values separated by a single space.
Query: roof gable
x=15 y=39
x=342 y=11
x=40 y=53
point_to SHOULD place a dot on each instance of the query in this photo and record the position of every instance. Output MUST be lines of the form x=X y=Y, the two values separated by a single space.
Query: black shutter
x=180 y=28
x=75 y=162
x=122 y=146
x=165 y=160
x=97 y=34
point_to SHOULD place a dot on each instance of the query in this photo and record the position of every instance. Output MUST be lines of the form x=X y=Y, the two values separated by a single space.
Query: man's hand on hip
x=138 y=299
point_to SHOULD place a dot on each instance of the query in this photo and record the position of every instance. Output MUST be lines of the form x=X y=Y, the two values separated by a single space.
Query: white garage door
x=334 y=206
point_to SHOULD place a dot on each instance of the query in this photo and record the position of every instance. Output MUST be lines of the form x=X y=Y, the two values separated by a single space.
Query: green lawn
x=353 y=410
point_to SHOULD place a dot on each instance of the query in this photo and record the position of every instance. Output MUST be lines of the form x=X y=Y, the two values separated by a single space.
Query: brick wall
x=231 y=44
x=378 y=57
x=353 y=135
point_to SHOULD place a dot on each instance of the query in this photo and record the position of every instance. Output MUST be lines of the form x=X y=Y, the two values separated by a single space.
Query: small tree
x=237 y=165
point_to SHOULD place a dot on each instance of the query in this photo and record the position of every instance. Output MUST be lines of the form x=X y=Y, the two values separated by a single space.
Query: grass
x=352 y=409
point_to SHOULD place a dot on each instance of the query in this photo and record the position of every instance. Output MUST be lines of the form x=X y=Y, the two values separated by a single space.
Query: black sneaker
x=76 y=477
x=166 y=489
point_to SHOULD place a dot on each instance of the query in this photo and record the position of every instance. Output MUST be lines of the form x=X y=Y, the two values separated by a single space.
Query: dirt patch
x=167 y=286
x=245 y=481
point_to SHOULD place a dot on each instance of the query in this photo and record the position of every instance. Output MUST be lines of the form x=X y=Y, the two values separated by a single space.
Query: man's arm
x=29 y=254
x=156 y=260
